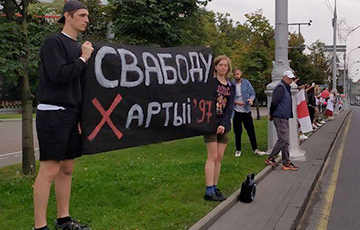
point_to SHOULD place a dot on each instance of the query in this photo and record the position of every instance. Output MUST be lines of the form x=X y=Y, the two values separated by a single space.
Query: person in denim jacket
x=244 y=97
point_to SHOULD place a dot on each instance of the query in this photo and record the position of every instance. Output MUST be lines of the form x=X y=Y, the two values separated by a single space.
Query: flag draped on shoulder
x=303 y=113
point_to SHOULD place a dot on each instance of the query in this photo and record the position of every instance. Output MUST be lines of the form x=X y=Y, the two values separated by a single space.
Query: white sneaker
x=237 y=153
x=303 y=137
x=260 y=153
x=314 y=126
x=322 y=122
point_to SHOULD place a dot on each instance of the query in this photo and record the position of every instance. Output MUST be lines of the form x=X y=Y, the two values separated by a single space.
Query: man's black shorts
x=58 y=134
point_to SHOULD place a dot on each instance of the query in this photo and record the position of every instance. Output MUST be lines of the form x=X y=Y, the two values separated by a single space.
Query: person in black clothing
x=216 y=143
x=311 y=102
x=63 y=60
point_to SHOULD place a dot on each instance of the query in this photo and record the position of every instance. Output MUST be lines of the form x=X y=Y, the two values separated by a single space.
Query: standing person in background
x=63 y=60
x=244 y=98
x=280 y=113
x=311 y=102
x=216 y=143
x=330 y=105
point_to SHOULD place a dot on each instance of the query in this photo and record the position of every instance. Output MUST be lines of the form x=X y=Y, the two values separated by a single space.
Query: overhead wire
x=329 y=6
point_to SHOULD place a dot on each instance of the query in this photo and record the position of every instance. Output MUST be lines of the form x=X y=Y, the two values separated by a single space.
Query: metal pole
x=280 y=65
x=345 y=83
x=281 y=31
x=334 y=51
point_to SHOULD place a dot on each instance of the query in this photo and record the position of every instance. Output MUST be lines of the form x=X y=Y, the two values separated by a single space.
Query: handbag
x=248 y=189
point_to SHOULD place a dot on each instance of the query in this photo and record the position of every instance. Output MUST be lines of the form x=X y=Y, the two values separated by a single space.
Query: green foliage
x=150 y=22
x=99 y=21
x=12 y=51
x=313 y=67
x=320 y=63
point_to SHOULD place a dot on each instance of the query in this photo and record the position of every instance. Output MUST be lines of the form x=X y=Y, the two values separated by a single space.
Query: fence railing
x=10 y=104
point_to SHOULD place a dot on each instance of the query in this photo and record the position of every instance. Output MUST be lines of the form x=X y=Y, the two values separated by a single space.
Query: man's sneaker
x=322 y=122
x=290 y=167
x=303 y=137
x=271 y=162
x=259 y=153
x=212 y=197
x=71 y=225
x=237 y=153
x=220 y=195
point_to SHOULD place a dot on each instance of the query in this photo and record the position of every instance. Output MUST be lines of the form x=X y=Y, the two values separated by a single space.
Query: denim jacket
x=247 y=92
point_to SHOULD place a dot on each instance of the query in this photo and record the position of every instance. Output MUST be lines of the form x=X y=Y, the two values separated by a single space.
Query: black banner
x=136 y=95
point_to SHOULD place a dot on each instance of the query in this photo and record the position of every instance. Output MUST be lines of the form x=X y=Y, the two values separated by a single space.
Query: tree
x=256 y=62
x=321 y=64
x=19 y=61
x=300 y=62
x=150 y=22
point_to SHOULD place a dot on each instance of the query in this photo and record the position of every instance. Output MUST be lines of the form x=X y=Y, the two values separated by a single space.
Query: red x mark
x=106 y=118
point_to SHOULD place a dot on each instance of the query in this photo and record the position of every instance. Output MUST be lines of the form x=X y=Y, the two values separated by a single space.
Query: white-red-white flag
x=303 y=113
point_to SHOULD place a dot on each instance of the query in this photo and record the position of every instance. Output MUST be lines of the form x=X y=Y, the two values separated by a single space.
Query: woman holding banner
x=216 y=143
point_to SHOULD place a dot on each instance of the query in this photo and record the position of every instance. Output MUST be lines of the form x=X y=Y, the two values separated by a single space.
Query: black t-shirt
x=60 y=72
x=222 y=98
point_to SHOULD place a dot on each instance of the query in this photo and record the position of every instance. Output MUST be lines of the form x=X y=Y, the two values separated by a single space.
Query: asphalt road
x=335 y=202
x=10 y=142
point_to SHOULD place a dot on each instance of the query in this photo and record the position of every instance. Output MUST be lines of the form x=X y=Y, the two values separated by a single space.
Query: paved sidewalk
x=281 y=195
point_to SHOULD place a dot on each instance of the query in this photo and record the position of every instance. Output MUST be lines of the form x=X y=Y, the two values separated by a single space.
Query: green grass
x=159 y=186
x=13 y=116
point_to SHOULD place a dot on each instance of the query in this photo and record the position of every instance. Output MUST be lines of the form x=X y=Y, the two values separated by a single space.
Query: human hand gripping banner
x=136 y=95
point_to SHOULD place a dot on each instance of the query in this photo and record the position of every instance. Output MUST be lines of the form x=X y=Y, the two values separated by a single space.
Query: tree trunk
x=28 y=156
x=257 y=109
x=9 y=10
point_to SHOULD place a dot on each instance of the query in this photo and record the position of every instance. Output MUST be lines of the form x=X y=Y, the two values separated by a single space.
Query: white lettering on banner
x=207 y=65
x=195 y=66
x=183 y=58
x=151 y=111
x=132 y=67
x=167 y=106
x=179 y=112
x=181 y=71
x=166 y=68
x=140 y=115
x=98 y=67
x=156 y=69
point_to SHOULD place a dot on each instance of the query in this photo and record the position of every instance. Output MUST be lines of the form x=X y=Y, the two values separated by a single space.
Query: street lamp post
x=345 y=76
x=334 y=48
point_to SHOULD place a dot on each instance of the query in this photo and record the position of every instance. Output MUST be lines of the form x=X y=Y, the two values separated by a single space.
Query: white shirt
x=330 y=103
x=238 y=97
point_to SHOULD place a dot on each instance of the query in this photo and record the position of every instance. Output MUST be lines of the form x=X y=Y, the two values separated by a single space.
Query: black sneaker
x=220 y=195
x=212 y=197
x=71 y=225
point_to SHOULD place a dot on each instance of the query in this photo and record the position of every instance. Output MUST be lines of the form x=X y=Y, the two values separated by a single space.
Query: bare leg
x=63 y=188
x=220 y=154
x=210 y=163
x=47 y=174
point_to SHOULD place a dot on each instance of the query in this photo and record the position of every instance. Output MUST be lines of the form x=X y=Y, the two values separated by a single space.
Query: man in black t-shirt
x=63 y=60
